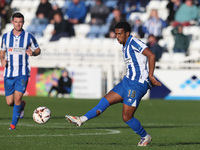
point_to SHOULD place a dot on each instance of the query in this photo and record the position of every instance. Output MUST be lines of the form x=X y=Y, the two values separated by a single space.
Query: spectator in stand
x=64 y=84
x=56 y=9
x=172 y=7
x=99 y=14
x=187 y=14
x=181 y=41
x=129 y=6
x=62 y=28
x=155 y=47
x=118 y=17
x=8 y=2
x=76 y=12
x=137 y=28
x=5 y=14
x=43 y=16
x=154 y=25
x=44 y=10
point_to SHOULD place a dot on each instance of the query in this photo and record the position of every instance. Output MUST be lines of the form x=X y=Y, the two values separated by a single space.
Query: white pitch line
x=109 y=131
x=64 y=125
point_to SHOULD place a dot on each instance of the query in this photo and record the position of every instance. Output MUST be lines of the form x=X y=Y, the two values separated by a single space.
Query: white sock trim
x=83 y=119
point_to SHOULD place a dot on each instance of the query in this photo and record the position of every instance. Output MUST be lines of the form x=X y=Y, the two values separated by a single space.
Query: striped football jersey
x=135 y=61
x=15 y=47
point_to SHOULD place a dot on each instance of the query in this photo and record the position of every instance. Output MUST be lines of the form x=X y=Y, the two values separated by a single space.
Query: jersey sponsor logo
x=19 y=50
x=10 y=49
x=127 y=61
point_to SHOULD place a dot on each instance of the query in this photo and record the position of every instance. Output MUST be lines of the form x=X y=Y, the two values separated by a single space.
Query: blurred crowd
x=105 y=14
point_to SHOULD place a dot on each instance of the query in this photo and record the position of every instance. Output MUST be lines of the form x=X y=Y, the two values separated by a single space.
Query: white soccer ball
x=41 y=115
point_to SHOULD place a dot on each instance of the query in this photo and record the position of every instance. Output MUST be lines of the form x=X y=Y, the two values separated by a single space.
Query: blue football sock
x=16 y=114
x=136 y=126
x=101 y=106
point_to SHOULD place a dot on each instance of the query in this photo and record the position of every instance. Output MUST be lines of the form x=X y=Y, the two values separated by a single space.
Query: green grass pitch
x=173 y=125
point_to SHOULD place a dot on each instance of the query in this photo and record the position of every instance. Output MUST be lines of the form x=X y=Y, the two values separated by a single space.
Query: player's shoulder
x=137 y=41
x=29 y=34
x=6 y=34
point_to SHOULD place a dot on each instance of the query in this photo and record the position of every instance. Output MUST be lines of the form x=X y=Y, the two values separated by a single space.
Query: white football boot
x=74 y=119
x=145 y=140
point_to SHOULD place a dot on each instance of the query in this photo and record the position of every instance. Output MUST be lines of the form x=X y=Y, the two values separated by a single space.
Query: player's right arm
x=3 y=52
x=2 y=57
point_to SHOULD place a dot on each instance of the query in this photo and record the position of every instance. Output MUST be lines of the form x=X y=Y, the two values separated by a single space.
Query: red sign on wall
x=1 y=81
x=31 y=88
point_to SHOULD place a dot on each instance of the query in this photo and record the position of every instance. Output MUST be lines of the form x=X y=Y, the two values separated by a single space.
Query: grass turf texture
x=173 y=125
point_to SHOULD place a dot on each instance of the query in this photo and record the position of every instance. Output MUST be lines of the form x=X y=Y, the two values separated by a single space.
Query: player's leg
x=10 y=100
x=130 y=104
x=114 y=96
x=135 y=125
x=22 y=110
x=9 y=93
x=20 y=87
x=128 y=117
x=109 y=99
x=18 y=109
x=9 y=90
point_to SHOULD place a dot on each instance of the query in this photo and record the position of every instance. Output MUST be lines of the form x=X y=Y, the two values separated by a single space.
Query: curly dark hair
x=124 y=25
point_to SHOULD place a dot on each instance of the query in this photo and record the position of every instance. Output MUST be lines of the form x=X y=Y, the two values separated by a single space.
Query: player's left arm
x=36 y=52
x=151 y=60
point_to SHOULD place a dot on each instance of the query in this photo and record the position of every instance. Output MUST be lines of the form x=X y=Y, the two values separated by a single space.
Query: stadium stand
x=104 y=52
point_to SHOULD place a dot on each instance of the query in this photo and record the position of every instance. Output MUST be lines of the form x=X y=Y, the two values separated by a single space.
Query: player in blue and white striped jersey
x=134 y=85
x=16 y=47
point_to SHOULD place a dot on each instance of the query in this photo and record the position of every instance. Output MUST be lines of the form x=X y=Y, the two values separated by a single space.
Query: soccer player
x=16 y=47
x=133 y=86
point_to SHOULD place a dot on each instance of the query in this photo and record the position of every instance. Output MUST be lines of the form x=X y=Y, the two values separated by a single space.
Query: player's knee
x=18 y=100
x=126 y=117
x=10 y=103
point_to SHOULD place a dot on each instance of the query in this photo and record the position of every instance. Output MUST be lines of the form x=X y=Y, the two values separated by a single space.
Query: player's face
x=18 y=23
x=121 y=35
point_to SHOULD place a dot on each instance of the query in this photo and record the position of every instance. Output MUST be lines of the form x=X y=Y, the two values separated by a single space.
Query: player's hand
x=4 y=62
x=154 y=81
x=29 y=52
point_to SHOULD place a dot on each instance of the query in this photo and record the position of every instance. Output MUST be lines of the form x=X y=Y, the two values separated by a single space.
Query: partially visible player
x=134 y=85
x=16 y=47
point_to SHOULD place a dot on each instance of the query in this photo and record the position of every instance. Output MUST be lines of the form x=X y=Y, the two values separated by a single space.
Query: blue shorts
x=131 y=91
x=18 y=83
